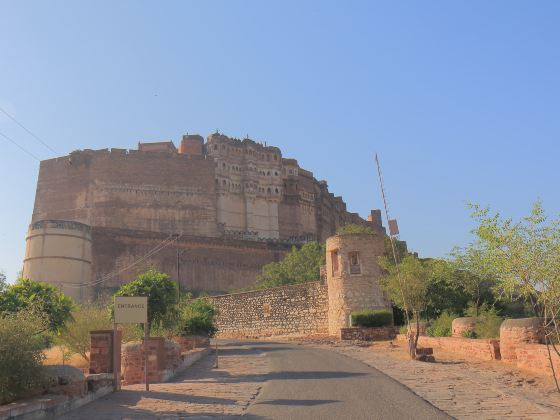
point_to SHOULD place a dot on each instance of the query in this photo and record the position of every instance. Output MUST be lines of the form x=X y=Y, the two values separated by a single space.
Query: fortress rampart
x=227 y=193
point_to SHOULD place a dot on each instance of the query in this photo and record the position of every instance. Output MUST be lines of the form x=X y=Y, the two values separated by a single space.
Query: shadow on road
x=304 y=403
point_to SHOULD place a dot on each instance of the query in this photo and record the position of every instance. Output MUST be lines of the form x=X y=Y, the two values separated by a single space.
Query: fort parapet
x=224 y=193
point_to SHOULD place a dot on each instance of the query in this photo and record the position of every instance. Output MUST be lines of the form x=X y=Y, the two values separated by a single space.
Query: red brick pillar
x=101 y=351
x=517 y=332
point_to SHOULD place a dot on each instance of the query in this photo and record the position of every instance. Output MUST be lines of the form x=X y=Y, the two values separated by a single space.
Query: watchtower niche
x=353 y=275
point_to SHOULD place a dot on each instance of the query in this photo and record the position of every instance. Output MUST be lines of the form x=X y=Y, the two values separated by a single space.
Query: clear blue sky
x=460 y=99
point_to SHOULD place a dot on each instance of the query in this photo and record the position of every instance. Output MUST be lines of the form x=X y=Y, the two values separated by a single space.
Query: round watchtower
x=353 y=276
x=59 y=252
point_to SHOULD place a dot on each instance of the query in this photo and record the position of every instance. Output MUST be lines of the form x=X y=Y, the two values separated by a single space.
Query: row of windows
x=233 y=186
x=250 y=152
x=236 y=168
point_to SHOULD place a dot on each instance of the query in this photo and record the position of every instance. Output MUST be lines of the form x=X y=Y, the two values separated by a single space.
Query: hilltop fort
x=210 y=213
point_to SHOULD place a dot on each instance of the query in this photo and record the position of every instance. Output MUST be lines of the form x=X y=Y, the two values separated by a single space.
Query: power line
x=19 y=146
x=29 y=131
x=160 y=247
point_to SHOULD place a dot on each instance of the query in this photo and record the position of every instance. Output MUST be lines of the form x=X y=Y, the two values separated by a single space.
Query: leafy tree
x=76 y=336
x=407 y=286
x=3 y=282
x=160 y=290
x=524 y=259
x=43 y=299
x=473 y=276
x=443 y=293
x=351 y=228
x=298 y=266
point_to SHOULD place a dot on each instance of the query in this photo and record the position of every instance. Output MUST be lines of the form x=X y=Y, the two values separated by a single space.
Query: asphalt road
x=310 y=383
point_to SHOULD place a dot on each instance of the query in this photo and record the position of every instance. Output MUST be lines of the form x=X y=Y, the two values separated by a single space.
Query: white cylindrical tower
x=59 y=252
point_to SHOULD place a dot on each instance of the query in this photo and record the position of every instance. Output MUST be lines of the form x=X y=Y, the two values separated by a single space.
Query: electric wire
x=35 y=136
x=158 y=248
x=19 y=146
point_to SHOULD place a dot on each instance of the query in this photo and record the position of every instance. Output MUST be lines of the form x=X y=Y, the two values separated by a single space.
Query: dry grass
x=54 y=357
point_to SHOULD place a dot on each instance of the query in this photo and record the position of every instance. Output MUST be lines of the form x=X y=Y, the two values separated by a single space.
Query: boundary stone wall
x=288 y=310
x=534 y=357
x=470 y=348
x=367 y=333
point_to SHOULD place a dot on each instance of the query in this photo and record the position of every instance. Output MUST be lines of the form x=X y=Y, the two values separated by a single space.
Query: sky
x=461 y=100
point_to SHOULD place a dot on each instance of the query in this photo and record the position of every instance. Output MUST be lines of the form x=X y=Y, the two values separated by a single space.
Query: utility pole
x=178 y=277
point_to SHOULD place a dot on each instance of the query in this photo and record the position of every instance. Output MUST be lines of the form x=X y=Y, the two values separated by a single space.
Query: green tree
x=524 y=258
x=160 y=290
x=443 y=292
x=76 y=335
x=298 y=266
x=44 y=299
x=473 y=276
x=407 y=285
x=3 y=281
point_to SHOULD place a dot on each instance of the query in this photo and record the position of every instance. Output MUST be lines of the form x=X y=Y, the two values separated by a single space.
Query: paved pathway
x=202 y=391
x=311 y=383
x=465 y=390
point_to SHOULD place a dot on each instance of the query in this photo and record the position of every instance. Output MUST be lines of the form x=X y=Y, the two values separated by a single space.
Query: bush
x=351 y=228
x=488 y=324
x=403 y=329
x=371 y=318
x=21 y=355
x=197 y=318
x=469 y=334
x=441 y=327
x=76 y=335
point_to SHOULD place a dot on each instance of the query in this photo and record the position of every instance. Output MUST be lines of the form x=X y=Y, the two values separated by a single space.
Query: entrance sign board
x=131 y=310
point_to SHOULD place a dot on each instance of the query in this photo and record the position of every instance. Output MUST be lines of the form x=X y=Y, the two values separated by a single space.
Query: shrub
x=21 y=354
x=76 y=335
x=197 y=318
x=441 y=327
x=469 y=334
x=350 y=228
x=403 y=329
x=371 y=318
x=488 y=324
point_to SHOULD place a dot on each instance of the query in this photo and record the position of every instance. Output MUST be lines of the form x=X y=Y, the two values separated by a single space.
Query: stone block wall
x=367 y=334
x=288 y=310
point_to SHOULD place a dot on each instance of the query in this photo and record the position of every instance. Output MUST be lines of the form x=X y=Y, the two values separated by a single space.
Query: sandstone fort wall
x=239 y=202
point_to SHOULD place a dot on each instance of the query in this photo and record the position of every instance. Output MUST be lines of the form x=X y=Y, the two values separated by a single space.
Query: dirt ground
x=53 y=356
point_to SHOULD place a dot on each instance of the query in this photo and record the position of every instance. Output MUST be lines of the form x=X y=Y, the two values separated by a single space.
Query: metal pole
x=216 y=342
x=146 y=356
x=116 y=376
x=178 y=278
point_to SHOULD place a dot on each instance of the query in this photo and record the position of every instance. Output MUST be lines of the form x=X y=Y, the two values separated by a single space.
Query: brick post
x=515 y=333
x=101 y=351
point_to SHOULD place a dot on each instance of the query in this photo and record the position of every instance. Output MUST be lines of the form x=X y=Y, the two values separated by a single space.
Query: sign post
x=134 y=310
